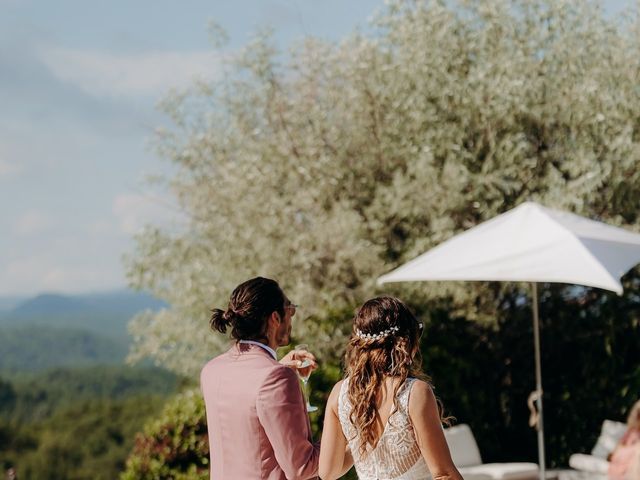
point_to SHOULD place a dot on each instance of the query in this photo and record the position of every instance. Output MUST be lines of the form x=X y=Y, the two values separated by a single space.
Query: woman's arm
x=335 y=459
x=423 y=412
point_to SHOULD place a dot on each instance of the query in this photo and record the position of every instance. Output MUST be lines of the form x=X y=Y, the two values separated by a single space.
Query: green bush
x=175 y=445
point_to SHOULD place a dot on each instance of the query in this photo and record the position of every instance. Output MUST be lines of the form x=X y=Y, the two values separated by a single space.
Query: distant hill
x=36 y=348
x=48 y=305
x=8 y=303
x=106 y=313
x=117 y=301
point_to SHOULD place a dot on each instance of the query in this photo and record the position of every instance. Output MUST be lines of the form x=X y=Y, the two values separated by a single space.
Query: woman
x=625 y=458
x=383 y=417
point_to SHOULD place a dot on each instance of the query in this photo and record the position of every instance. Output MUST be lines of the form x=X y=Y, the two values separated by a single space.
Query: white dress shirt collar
x=266 y=347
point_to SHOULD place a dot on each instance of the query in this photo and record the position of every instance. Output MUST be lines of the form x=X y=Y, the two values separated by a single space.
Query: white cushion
x=588 y=463
x=502 y=471
x=611 y=434
x=474 y=476
x=462 y=445
x=578 y=475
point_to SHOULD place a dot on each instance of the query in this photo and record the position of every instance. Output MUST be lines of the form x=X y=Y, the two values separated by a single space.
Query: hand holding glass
x=304 y=372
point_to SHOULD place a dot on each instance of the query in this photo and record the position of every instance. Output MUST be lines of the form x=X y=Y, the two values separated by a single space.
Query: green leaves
x=330 y=165
x=174 y=445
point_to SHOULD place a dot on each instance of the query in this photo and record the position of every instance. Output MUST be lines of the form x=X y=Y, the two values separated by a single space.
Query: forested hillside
x=51 y=330
x=69 y=406
x=35 y=348
x=77 y=423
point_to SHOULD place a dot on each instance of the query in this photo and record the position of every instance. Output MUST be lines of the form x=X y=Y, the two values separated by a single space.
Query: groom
x=256 y=415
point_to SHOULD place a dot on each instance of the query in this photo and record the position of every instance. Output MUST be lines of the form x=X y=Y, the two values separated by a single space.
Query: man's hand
x=295 y=359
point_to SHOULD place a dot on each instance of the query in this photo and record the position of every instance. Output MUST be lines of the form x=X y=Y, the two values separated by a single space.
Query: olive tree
x=330 y=164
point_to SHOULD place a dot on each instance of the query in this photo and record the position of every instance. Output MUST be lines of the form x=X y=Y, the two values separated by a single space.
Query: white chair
x=597 y=462
x=466 y=456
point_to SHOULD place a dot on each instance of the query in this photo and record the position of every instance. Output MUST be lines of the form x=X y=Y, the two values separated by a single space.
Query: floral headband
x=376 y=336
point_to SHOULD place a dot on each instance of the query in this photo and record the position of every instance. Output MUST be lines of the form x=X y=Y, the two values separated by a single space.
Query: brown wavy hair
x=368 y=361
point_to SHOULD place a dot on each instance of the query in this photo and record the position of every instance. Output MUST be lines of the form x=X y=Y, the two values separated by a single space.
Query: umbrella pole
x=536 y=339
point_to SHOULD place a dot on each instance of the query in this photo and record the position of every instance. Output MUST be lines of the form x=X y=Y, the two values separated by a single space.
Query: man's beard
x=285 y=338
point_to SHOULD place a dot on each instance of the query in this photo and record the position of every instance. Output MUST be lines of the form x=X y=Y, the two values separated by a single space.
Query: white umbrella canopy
x=531 y=243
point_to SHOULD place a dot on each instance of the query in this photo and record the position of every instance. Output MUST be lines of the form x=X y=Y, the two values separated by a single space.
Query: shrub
x=173 y=446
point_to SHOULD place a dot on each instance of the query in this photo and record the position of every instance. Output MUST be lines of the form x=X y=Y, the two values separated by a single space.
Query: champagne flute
x=304 y=372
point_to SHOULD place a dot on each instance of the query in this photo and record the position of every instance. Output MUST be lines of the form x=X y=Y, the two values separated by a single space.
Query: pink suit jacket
x=256 y=416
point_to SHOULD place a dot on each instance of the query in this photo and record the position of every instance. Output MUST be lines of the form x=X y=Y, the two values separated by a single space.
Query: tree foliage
x=330 y=165
x=77 y=424
x=174 y=445
x=37 y=396
x=87 y=440
x=34 y=348
x=484 y=373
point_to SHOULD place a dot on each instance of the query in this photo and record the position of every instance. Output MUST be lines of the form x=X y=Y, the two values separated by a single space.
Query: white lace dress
x=396 y=455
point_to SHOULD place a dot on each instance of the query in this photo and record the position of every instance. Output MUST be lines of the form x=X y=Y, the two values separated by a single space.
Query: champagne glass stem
x=305 y=379
x=305 y=391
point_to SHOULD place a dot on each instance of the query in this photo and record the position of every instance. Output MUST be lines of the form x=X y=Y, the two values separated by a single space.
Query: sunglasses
x=292 y=306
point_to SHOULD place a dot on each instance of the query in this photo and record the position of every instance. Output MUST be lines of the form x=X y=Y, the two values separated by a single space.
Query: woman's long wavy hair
x=368 y=361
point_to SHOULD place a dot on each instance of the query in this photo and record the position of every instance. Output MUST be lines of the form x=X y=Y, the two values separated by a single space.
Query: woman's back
x=381 y=418
x=396 y=454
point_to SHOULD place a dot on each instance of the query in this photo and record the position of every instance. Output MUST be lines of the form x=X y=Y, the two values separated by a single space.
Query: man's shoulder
x=277 y=373
x=219 y=358
x=231 y=362
x=216 y=362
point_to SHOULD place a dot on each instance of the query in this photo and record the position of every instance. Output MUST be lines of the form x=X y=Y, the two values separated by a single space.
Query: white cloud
x=38 y=273
x=109 y=74
x=134 y=211
x=32 y=222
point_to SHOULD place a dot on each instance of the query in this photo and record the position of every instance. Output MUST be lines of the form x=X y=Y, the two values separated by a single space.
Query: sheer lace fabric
x=396 y=455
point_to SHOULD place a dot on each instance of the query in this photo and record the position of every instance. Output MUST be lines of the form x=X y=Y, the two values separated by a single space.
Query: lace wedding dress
x=396 y=455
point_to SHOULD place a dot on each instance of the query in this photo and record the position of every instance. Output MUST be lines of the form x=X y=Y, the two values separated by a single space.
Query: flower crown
x=376 y=336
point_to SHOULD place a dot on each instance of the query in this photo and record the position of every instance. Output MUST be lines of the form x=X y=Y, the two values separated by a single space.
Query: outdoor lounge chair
x=597 y=462
x=466 y=456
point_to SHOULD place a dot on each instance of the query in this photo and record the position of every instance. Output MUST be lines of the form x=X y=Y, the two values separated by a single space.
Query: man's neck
x=270 y=341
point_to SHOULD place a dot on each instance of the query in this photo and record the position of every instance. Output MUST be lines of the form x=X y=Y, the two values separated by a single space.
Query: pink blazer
x=257 y=420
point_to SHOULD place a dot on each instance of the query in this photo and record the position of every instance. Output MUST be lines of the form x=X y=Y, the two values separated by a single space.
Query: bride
x=383 y=416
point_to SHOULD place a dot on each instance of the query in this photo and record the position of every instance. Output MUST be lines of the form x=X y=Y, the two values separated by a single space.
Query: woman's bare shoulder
x=421 y=387
x=421 y=394
x=332 y=402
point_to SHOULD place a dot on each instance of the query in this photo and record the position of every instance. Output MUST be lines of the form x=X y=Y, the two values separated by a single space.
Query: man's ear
x=276 y=317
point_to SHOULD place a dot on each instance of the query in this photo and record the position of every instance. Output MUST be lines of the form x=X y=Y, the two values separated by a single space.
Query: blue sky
x=79 y=81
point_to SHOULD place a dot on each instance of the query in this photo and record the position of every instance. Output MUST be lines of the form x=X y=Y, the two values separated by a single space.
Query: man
x=256 y=414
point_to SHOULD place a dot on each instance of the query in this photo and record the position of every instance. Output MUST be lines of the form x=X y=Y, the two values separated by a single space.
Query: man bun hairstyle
x=250 y=306
x=221 y=320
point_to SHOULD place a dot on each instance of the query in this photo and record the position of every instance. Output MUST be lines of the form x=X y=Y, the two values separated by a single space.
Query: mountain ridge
x=52 y=303
x=105 y=313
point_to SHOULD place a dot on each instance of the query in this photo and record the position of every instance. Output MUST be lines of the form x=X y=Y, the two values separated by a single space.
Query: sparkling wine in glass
x=304 y=372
